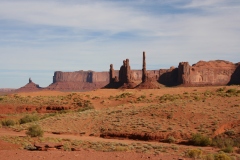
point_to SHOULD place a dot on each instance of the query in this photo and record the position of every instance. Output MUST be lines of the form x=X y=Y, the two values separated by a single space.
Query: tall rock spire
x=111 y=73
x=144 y=71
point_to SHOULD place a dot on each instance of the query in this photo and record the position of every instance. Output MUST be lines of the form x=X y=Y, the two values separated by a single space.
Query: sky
x=38 y=37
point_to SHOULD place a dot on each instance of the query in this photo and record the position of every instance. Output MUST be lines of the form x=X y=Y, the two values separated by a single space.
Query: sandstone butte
x=218 y=72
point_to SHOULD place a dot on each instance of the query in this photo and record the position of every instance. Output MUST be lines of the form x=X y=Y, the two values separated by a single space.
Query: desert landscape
x=193 y=114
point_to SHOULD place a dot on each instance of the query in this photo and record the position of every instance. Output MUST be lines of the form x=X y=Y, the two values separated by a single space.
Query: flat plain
x=166 y=123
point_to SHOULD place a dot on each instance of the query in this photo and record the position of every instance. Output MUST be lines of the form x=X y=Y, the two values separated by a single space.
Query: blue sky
x=38 y=37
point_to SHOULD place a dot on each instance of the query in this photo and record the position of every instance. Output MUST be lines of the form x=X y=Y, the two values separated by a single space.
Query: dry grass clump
x=28 y=118
x=200 y=140
x=8 y=122
x=35 y=131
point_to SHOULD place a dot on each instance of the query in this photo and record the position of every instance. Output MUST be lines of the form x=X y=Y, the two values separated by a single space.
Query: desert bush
x=208 y=93
x=200 y=140
x=35 y=131
x=1 y=98
x=208 y=157
x=124 y=95
x=194 y=153
x=28 y=118
x=85 y=108
x=48 y=115
x=231 y=91
x=141 y=97
x=220 y=89
x=222 y=156
x=171 y=139
x=168 y=97
x=8 y=122
x=120 y=149
x=229 y=132
x=237 y=142
x=222 y=142
x=228 y=149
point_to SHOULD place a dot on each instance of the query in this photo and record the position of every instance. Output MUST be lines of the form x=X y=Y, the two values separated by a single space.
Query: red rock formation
x=128 y=71
x=125 y=72
x=206 y=73
x=111 y=74
x=144 y=71
x=76 y=86
x=31 y=86
x=148 y=82
x=80 y=80
x=183 y=72
x=81 y=76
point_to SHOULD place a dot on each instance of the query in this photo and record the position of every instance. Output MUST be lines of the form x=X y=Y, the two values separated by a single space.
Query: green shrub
x=228 y=149
x=35 y=131
x=222 y=156
x=124 y=95
x=220 y=89
x=8 y=122
x=194 y=153
x=85 y=108
x=171 y=139
x=231 y=91
x=200 y=140
x=229 y=132
x=223 y=142
x=28 y=118
x=209 y=157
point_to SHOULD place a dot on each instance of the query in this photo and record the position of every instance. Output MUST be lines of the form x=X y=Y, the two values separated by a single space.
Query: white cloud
x=61 y=35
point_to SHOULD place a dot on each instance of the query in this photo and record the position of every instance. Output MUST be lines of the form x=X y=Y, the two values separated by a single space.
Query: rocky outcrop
x=235 y=78
x=144 y=70
x=125 y=72
x=31 y=86
x=111 y=74
x=80 y=80
x=75 y=86
x=149 y=78
x=217 y=72
x=81 y=76
x=183 y=73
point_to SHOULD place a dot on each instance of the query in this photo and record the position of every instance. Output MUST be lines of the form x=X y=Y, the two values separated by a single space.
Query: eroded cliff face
x=207 y=73
x=81 y=76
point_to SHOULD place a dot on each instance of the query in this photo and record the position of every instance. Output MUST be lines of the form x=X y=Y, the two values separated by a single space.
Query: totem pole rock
x=144 y=71
x=111 y=74
x=128 y=72
x=125 y=72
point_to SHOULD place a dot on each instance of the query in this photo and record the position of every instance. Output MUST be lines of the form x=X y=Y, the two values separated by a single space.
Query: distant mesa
x=218 y=72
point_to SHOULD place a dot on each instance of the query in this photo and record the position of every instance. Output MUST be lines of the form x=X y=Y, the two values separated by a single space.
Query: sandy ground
x=222 y=113
x=78 y=155
x=10 y=151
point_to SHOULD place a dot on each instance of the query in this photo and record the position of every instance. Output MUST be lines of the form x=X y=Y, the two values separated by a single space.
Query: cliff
x=81 y=76
x=217 y=72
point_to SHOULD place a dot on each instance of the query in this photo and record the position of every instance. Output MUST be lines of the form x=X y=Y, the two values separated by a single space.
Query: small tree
x=35 y=131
